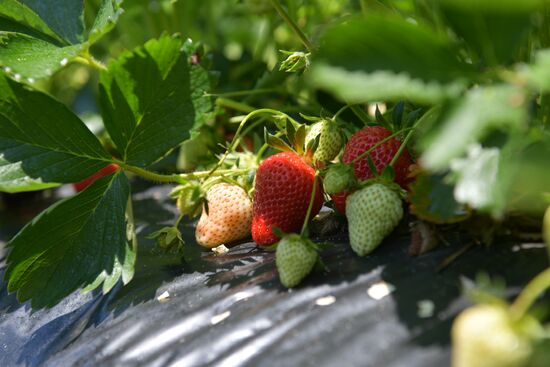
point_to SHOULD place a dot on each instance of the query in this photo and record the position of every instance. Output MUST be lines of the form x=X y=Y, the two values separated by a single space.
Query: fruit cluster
x=290 y=187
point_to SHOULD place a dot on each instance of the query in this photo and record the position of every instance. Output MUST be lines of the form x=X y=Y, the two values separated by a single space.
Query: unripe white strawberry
x=373 y=212
x=486 y=336
x=228 y=218
x=331 y=140
x=295 y=258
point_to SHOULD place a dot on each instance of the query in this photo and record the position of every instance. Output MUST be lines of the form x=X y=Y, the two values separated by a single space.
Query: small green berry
x=295 y=258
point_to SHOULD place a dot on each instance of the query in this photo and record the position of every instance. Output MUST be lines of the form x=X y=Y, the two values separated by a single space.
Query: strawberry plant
x=385 y=111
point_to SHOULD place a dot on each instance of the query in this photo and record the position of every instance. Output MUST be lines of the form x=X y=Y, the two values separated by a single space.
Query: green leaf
x=493 y=29
x=480 y=111
x=105 y=20
x=28 y=58
x=65 y=17
x=432 y=200
x=408 y=62
x=146 y=99
x=70 y=244
x=42 y=141
x=202 y=82
x=30 y=49
x=21 y=17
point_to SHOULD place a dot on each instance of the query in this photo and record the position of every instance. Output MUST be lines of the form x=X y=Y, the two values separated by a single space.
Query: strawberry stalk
x=236 y=138
x=238 y=106
x=386 y=139
x=407 y=138
x=181 y=178
x=403 y=144
x=530 y=293
x=292 y=24
x=340 y=111
x=310 y=206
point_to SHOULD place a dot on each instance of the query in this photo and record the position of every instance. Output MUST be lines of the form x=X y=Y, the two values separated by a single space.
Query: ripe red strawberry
x=281 y=196
x=362 y=141
x=105 y=171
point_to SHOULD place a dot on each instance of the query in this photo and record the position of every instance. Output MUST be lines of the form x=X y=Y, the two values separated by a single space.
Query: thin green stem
x=89 y=60
x=530 y=293
x=236 y=137
x=379 y=143
x=238 y=106
x=340 y=111
x=248 y=130
x=178 y=221
x=362 y=115
x=404 y=144
x=310 y=206
x=243 y=92
x=292 y=24
x=181 y=177
x=265 y=147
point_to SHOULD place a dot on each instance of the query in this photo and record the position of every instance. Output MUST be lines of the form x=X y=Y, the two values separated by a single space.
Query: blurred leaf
x=476 y=179
x=32 y=58
x=524 y=173
x=432 y=200
x=494 y=29
x=71 y=243
x=42 y=141
x=146 y=100
x=537 y=74
x=469 y=119
x=408 y=62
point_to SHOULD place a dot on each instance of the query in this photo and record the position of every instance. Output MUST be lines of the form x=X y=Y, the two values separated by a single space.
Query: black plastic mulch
x=230 y=310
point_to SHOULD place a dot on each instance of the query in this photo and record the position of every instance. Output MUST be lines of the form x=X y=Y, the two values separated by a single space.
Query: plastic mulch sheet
x=388 y=309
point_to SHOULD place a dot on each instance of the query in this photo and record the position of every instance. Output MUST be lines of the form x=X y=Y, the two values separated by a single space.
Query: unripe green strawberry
x=338 y=178
x=295 y=258
x=373 y=212
x=486 y=336
x=228 y=218
x=330 y=140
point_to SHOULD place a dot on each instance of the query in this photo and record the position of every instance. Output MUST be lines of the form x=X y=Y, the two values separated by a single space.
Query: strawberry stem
x=265 y=147
x=243 y=92
x=403 y=144
x=238 y=106
x=340 y=111
x=310 y=206
x=292 y=24
x=182 y=177
x=530 y=293
x=386 y=139
x=236 y=137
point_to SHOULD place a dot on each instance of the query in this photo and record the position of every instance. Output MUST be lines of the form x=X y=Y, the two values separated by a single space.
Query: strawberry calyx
x=339 y=177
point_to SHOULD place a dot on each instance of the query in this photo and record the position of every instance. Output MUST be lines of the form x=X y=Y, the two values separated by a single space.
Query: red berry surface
x=362 y=141
x=281 y=196
x=105 y=171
